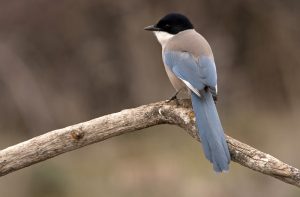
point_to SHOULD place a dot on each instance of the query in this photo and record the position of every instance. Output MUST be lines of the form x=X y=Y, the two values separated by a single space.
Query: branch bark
x=59 y=141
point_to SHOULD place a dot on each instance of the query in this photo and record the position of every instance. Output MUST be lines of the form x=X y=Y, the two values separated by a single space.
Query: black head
x=172 y=23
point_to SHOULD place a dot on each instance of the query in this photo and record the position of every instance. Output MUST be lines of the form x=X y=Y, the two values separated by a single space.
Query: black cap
x=172 y=23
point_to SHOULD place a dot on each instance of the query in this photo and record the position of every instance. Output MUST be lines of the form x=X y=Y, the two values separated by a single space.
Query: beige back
x=189 y=41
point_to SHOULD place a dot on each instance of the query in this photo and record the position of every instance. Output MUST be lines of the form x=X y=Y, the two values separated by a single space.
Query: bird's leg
x=214 y=95
x=174 y=97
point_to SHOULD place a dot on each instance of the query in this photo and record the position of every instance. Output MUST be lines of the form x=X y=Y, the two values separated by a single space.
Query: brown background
x=64 y=62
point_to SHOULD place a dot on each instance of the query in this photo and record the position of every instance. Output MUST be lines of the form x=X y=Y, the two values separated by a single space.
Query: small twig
x=76 y=136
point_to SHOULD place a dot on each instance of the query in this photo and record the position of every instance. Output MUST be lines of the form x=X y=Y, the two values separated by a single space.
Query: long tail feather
x=211 y=131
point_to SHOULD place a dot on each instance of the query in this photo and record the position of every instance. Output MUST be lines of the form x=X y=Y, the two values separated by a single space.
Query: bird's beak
x=152 y=28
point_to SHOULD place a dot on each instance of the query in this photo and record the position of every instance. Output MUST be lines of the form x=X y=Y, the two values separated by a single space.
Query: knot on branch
x=77 y=134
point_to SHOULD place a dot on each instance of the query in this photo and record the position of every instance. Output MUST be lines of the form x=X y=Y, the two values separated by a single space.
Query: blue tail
x=211 y=131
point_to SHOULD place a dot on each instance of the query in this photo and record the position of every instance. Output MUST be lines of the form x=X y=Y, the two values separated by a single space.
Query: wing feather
x=195 y=73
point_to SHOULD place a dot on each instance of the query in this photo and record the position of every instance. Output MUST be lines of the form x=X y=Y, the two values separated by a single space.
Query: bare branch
x=73 y=137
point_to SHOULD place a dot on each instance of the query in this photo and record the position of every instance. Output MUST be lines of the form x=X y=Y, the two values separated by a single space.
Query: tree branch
x=73 y=137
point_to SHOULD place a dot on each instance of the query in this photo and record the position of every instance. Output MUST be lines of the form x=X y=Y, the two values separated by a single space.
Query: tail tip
x=220 y=167
x=221 y=170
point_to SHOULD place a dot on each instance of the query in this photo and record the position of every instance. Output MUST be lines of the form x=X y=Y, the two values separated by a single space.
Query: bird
x=190 y=65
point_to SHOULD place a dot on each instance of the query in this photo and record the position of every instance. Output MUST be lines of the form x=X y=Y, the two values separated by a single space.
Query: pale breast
x=175 y=81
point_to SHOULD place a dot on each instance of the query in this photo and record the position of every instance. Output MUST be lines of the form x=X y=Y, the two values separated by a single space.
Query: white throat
x=163 y=37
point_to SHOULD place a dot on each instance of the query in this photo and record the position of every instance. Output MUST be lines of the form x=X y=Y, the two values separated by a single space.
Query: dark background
x=64 y=62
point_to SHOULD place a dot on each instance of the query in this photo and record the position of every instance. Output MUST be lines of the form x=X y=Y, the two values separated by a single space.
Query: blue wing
x=195 y=73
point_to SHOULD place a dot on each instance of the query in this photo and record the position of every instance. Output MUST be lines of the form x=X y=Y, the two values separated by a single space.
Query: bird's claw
x=174 y=98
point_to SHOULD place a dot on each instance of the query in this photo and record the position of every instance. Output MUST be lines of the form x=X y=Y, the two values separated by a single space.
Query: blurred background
x=64 y=62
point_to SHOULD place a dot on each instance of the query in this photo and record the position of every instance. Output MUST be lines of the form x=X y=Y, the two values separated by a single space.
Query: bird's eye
x=167 y=25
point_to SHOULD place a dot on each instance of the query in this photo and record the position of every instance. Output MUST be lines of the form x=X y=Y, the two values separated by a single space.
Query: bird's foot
x=173 y=97
x=215 y=97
